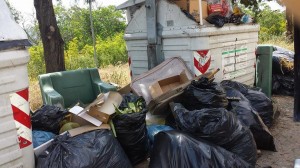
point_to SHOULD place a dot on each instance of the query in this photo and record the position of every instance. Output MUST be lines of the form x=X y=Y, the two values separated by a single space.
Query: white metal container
x=15 y=134
x=230 y=48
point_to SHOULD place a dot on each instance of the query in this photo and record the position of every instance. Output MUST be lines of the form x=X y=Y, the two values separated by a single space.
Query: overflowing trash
x=204 y=94
x=219 y=126
x=155 y=129
x=283 y=71
x=178 y=149
x=41 y=137
x=186 y=122
x=250 y=118
x=259 y=101
x=48 y=118
x=93 y=149
x=131 y=128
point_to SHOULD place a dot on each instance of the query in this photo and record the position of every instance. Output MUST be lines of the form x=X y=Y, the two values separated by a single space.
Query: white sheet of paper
x=76 y=110
x=90 y=119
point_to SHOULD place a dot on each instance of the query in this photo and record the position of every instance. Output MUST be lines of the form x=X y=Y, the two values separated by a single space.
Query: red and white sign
x=202 y=60
x=21 y=110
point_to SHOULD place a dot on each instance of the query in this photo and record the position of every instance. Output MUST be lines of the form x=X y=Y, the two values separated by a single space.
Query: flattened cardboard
x=104 y=111
x=182 y=4
x=100 y=110
x=86 y=128
x=194 y=9
x=162 y=86
x=126 y=89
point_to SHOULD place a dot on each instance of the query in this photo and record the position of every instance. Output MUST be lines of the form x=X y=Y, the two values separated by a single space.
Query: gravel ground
x=287 y=137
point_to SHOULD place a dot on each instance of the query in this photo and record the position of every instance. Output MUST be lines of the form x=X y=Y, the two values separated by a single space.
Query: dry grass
x=281 y=42
x=117 y=74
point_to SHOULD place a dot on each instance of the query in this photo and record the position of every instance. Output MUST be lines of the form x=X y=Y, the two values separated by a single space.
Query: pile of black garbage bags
x=216 y=125
x=283 y=71
x=210 y=125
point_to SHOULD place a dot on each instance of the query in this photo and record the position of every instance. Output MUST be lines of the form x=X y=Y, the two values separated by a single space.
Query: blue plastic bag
x=154 y=129
x=40 y=137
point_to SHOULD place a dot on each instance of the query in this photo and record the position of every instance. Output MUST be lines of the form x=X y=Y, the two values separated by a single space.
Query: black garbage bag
x=282 y=61
x=283 y=85
x=217 y=20
x=177 y=149
x=131 y=131
x=89 y=150
x=250 y=118
x=204 y=94
x=283 y=71
x=131 y=98
x=219 y=126
x=259 y=101
x=48 y=118
x=263 y=105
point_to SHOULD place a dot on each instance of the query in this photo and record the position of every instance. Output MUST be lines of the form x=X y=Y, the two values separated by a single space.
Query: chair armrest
x=104 y=87
x=53 y=98
x=49 y=95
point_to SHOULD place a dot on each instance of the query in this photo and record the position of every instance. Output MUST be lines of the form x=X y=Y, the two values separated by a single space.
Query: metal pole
x=93 y=34
x=297 y=71
x=200 y=12
x=154 y=48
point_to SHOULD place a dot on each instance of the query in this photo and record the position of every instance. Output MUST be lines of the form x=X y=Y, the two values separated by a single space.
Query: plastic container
x=204 y=48
x=15 y=134
x=264 y=68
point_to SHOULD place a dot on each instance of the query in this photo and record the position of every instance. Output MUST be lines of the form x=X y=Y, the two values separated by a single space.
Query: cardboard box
x=182 y=4
x=194 y=9
x=162 y=86
x=100 y=110
x=160 y=105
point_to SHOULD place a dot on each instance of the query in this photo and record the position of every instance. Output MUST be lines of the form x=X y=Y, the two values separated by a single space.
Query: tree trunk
x=52 y=41
x=289 y=25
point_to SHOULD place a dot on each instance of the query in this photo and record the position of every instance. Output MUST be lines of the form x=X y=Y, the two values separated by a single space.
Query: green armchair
x=66 y=88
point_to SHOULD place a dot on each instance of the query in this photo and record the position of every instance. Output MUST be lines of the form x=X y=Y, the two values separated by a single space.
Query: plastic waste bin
x=15 y=134
x=202 y=47
x=264 y=55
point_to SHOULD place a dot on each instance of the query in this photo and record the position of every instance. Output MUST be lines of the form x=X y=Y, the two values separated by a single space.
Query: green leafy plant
x=133 y=107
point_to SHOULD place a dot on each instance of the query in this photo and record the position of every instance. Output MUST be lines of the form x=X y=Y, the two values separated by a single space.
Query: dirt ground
x=287 y=137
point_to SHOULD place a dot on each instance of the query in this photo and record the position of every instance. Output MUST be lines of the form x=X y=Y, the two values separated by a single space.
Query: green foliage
x=133 y=107
x=272 y=23
x=36 y=64
x=112 y=50
x=74 y=25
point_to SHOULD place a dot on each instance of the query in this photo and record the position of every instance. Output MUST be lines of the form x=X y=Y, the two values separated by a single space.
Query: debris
x=218 y=126
x=93 y=150
x=283 y=71
x=177 y=149
x=204 y=94
x=155 y=129
x=259 y=101
x=131 y=130
x=40 y=137
x=48 y=118
x=250 y=118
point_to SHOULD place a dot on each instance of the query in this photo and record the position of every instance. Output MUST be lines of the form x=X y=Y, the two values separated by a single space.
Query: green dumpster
x=264 y=68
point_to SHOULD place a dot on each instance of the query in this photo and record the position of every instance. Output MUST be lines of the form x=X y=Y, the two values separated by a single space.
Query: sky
x=26 y=6
x=27 y=9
